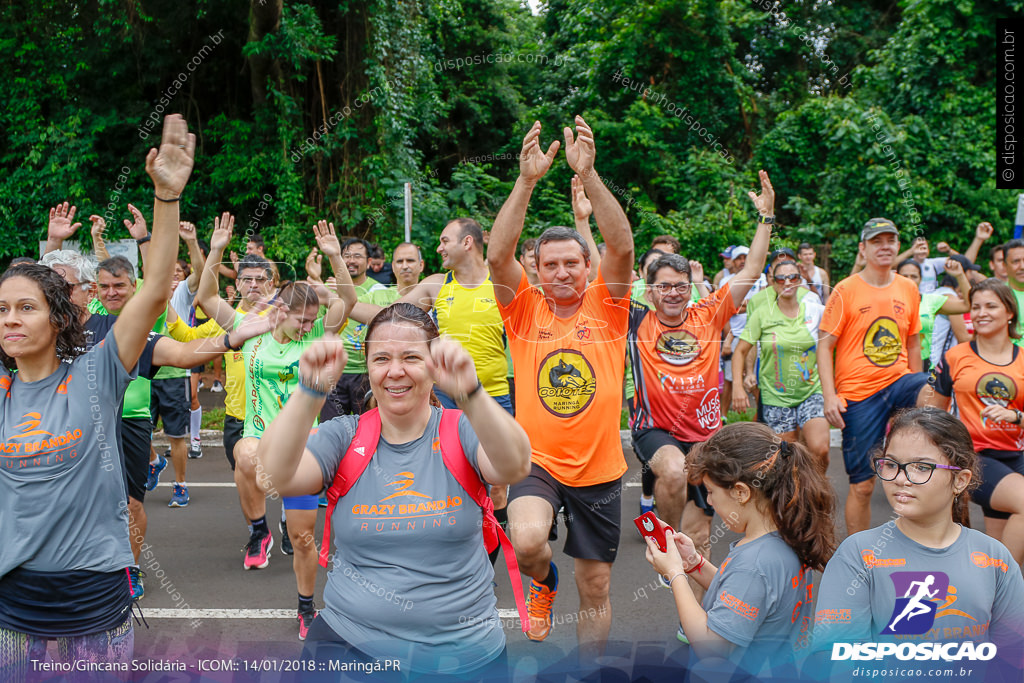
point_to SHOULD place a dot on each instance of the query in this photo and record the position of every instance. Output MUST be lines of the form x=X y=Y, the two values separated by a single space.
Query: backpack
x=362 y=448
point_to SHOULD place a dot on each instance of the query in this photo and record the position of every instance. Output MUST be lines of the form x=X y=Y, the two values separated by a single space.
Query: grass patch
x=213 y=418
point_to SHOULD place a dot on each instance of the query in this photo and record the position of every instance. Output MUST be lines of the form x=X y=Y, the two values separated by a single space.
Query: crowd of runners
x=420 y=411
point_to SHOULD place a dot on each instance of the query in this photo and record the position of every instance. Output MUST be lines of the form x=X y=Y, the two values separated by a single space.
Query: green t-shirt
x=271 y=375
x=354 y=333
x=789 y=360
x=1020 y=316
x=930 y=305
x=769 y=295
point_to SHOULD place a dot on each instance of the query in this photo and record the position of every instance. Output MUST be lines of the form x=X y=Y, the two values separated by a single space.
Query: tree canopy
x=324 y=109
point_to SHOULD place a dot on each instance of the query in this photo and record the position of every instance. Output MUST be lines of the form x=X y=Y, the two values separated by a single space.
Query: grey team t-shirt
x=760 y=601
x=980 y=590
x=410 y=579
x=62 y=497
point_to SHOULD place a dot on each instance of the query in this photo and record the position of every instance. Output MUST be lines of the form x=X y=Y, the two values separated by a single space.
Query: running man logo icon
x=922 y=593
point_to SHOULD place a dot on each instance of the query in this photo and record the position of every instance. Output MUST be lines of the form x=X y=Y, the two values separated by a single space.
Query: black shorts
x=232 y=435
x=136 y=436
x=592 y=513
x=170 y=400
x=995 y=466
x=646 y=443
x=346 y=398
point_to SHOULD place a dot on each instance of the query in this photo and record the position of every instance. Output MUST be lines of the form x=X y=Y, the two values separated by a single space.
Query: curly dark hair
x=65 y=315
x=785 y=480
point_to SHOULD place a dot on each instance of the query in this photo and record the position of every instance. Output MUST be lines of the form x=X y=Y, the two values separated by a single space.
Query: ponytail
x=786 y=481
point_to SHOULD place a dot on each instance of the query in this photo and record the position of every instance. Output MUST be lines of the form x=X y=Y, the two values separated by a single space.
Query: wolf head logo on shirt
x=566 y=382
x=882 y=343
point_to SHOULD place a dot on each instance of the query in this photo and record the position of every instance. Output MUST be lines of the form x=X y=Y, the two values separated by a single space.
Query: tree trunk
x=264 y=18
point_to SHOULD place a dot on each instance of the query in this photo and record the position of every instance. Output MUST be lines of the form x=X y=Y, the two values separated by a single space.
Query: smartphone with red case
x=650 y=526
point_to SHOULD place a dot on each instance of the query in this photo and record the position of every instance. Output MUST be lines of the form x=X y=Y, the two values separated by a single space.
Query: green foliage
x=325 y=110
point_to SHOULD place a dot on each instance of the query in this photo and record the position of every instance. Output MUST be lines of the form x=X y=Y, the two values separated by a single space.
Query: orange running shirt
x=676 y=368
x=569 y=381
x=872 y=325
x=977 y=384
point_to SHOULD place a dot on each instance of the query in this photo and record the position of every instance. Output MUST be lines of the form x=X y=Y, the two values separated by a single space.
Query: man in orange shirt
x=674 y=351
x=568 y=346
x=871 y=321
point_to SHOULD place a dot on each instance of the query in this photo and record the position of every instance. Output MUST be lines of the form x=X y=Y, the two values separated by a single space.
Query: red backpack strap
x=456 y=462
x=351 y=467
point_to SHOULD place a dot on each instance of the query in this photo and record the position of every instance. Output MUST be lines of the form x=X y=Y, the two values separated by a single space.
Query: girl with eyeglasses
x=986 y=376
x=756 y=616
x=925 y=577
x=787 y=333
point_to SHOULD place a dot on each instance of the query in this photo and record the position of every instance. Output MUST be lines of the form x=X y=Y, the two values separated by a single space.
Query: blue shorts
x=866 y=422
x=300 y=502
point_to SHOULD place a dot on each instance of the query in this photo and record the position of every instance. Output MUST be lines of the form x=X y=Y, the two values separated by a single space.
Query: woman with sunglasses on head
x=925 y=577
x=410 y=578
x=790 y=388
x=986 y=376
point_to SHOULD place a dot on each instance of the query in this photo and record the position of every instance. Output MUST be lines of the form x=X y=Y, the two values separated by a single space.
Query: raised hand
x=451 y=367
x=256 y=322
x=984 y=231
x=314 y=265
x=533 y=164
x=942 y=247
x=764 y=202
x=98 y=226
x=222 y=228
x=171 y=165
x=954 y=268
x=327 y=239
x=137 y=227
x=186 y=231
x=696 y=272
x=60 y=226
x=234 y=259
x=230 y=294
x=581 y=206
x=580 y=153
x=321 y=364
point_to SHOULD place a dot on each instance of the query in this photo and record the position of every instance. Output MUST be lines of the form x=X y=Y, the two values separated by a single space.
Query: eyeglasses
x=792 y=277
x=354 y=256
x=666 y=287
x=253 y=279
x=888 y=469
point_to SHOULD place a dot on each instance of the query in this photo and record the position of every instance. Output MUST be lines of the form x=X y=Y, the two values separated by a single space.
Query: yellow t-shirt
x=472 y=317
x=234 y=365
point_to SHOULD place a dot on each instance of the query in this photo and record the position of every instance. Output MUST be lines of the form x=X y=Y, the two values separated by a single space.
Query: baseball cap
x=877 y=226
x=779 y=252
x=739 y=251
x=728 y=251
x=965 y=262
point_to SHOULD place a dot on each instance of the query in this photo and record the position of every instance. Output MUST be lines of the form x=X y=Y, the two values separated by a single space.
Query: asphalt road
x=202 y=607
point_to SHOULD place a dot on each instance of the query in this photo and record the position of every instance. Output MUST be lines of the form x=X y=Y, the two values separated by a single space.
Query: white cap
x=739 y=251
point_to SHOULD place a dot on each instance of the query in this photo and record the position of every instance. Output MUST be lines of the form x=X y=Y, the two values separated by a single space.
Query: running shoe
x=323 y=500
x=201 y=385
x=286 y=543
x=195 y=451
x=538 y=605
x=257 y=551
x=155 y=468
x=179 y=498
x=644 y=509
x=681 y=637
x=135 y=582
x=305 y=621
x=217 y=387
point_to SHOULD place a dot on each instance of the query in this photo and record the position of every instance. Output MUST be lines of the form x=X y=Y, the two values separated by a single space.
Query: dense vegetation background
x=320 y=109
